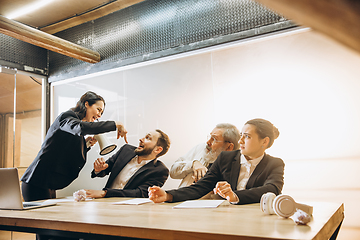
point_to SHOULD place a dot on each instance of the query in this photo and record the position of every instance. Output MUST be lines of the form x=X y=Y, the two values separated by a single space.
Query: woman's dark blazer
x=268 y=176
x=63 y=152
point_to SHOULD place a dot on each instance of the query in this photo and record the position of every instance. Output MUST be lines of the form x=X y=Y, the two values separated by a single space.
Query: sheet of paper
x=200 y=204
x=135 y=201
x=67 y=199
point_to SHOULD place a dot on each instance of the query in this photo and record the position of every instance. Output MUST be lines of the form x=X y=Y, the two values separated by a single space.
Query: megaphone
x=105 y=145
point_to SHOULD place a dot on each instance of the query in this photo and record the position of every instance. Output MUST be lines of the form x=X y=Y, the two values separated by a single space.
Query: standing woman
x=63 y=152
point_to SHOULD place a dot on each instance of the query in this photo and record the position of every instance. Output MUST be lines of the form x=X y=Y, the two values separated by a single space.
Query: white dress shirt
x=127 y=172
x=246 y=169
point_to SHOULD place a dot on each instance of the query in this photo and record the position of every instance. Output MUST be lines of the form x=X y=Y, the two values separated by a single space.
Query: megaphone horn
x=105 y=145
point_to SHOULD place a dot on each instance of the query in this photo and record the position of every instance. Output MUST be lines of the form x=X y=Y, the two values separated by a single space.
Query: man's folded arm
x=195 y=191
x=181 y=168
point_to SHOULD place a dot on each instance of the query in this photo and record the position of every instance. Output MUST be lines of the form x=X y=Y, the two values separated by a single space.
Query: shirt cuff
x=188 y=166
x=236 y=202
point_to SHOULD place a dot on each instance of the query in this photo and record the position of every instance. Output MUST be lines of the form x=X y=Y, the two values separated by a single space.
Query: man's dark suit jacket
x=63 y=152
x=154 y=173
x=268 y=176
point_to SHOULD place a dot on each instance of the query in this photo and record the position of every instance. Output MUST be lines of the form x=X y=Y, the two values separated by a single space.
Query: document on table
x=60 y=200
x=135 y=201
x=200 y=204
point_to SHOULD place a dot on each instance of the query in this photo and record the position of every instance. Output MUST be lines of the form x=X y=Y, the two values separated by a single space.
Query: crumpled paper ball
x=301 y=218
x=79 y=195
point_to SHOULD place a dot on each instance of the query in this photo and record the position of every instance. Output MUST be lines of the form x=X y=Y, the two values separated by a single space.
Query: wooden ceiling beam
x=39 y=38
x=89 y=16
x=339 y=19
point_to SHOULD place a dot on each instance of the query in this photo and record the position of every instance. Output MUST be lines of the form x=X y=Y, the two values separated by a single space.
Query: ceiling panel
x=53 y=12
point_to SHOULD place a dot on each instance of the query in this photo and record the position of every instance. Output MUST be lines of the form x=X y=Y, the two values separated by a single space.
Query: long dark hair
x=265 y=129
x=89 y=97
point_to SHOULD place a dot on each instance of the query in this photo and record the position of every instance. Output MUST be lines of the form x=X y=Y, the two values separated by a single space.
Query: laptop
x=10 y=194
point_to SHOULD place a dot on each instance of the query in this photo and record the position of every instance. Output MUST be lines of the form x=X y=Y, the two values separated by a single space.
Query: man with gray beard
x=194 y=165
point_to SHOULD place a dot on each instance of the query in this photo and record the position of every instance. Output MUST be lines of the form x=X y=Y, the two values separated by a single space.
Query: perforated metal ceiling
x=18 y=54
x=157 y=28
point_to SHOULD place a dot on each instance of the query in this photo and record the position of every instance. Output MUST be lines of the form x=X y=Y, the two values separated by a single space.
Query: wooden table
x=96 y=218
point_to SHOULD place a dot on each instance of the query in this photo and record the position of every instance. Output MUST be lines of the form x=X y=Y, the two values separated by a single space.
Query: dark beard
x=144 y=151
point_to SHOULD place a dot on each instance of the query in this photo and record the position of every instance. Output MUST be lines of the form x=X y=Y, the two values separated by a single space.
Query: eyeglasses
x=211 y=138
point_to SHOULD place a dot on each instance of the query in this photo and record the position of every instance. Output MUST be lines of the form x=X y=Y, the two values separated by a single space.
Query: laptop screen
x=10 y=195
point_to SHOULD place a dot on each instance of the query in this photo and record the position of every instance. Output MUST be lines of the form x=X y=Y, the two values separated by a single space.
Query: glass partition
x=28 y=120
x=21 y=130
x=21 y=118
x=7 y=131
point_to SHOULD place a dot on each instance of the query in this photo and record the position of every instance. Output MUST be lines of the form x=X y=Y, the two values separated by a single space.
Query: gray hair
x=231 y=134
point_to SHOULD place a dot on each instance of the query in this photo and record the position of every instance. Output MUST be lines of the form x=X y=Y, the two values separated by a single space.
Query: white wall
x=303 y=82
